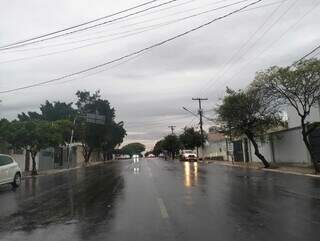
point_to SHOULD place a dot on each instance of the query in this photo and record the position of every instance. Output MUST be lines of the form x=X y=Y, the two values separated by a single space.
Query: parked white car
x=9 y=171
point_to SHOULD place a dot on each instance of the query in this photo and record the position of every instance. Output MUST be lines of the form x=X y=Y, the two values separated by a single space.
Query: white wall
x=216 y=148
x=20 y=159
x=288 y=147
x=264 y=148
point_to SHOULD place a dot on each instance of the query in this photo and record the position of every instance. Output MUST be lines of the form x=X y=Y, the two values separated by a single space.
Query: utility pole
x=172 y=129
x=201 y=121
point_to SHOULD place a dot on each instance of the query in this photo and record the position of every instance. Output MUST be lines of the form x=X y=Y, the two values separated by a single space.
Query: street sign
x=96 y=118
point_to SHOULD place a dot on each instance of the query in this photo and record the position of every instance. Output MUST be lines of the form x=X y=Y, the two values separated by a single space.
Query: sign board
x=96 y=119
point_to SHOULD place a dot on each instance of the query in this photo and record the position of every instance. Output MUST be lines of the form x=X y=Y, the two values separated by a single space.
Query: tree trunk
x=87 y=156
x=27 y=161
x=256 y=150
x=86 y=152
x=104 y=155
x=34 y=171
x=308 y=146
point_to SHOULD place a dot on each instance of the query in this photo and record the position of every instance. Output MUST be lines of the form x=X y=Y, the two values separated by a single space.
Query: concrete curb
x=264 y=169
x=57 y=171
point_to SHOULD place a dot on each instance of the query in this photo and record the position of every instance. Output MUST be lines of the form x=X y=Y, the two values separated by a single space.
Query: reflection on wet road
x=153 y=199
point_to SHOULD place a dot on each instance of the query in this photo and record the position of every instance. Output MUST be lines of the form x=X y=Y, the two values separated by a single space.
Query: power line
x=133 y=53
x=144 y=29
x=261 y=36
x=306 y=55
x=133 y=24
x=78 y=25
x=229 y=63
x=38 y=39
x=190 y=111
x=256 y=56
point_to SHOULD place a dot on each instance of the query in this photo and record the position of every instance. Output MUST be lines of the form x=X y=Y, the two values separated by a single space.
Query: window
x=5 y=160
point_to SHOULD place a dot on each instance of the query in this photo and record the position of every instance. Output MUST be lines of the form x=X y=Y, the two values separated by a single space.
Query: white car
x=9 y=171
x=188 y=155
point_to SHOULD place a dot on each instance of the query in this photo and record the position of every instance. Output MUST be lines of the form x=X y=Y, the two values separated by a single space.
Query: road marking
x=149 y=171
x=163 y=209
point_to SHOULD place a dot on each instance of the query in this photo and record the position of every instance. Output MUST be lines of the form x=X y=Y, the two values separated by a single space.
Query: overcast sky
x=148 y=92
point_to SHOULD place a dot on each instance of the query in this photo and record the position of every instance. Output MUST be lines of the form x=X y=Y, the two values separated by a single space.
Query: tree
x=114 y=136
x=133 y=148
x=171 y=143
x=299 y=87
x=158 y=148
x=103 y=136
x=191 y=139
x=57 y=111
x=50 y=112
x=4 y=131
x=34 y=136
x=248 y=113
x=30 y=116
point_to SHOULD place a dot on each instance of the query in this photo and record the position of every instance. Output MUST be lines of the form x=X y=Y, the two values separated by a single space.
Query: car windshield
x=170 y=120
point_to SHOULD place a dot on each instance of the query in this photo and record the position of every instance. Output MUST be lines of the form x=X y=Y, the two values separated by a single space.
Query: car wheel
x=17 y=180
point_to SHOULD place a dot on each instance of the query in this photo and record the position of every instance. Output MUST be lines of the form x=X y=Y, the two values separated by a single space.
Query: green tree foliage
x=57 y=111
x=299 y=87
x=171 y=144
x=158 y=148
x=191 y=139
x=30 y=116
x=34 y=136
x=249 y=113
x=115 y=134
x=100 y=137
x=135 y=148
x=50 y=112
x=4 y=131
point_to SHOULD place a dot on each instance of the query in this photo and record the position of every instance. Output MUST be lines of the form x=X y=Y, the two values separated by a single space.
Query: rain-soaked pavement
x=162 y=200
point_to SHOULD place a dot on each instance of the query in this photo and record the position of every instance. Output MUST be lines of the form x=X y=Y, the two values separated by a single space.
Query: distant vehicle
x=135 y=156
x=118 y=157
x=9 y=171
x=151 y=156
x=161 y=155
x=188 y=155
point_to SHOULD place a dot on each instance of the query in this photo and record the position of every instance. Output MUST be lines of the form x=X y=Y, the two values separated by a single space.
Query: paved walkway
x=290 y=169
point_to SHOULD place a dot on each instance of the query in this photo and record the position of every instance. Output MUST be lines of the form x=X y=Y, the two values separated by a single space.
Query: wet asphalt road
x=162 y=200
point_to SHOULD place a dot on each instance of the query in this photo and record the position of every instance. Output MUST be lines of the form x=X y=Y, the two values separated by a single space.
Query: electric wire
x=133 y=53
x=38 y=40
x=142 y=30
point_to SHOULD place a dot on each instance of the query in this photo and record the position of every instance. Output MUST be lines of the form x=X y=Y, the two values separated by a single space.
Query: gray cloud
x=149 y=91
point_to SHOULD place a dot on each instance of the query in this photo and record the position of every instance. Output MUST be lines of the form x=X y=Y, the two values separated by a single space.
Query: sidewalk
x=56 y=171
x=280 y=168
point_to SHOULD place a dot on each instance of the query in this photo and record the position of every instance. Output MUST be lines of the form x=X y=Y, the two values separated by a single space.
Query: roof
x=215 y=136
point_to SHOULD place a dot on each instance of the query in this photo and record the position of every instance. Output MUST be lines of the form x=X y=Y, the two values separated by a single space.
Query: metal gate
x=238 y=151
x=315 y=143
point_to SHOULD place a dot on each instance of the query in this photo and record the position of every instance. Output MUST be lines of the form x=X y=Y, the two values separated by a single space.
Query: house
x=216 y=146
x=278 y=146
